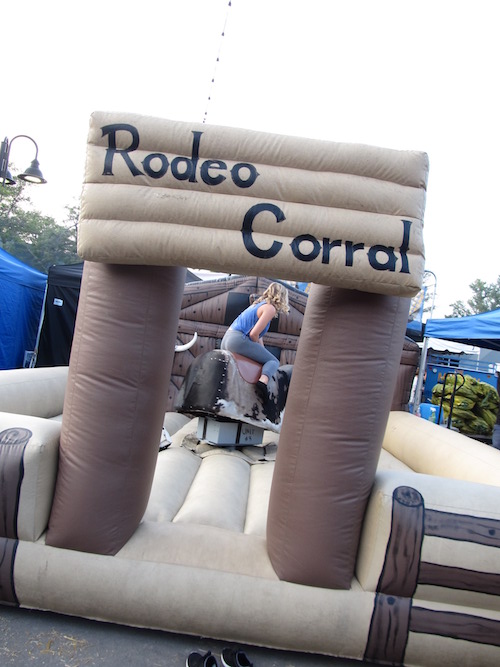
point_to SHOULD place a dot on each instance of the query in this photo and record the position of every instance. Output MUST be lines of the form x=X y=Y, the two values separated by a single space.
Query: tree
x=35 y=239
x=485 y=297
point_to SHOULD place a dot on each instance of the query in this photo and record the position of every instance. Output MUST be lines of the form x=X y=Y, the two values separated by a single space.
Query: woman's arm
x=266 y=312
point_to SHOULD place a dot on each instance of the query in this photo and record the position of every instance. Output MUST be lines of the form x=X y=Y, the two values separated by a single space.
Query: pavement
x=43 y=638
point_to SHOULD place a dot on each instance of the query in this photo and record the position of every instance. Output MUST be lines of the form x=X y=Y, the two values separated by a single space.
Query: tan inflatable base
x=198 y=562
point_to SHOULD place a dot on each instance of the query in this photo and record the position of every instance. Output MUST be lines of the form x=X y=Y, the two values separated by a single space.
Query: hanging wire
x=217 y=60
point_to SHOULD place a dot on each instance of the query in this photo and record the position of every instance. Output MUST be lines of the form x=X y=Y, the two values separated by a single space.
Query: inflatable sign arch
x=331 y=213
x=161 y=195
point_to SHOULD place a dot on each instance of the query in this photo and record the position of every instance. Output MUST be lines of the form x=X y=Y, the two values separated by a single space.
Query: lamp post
x=423 y=354
x=31 y=175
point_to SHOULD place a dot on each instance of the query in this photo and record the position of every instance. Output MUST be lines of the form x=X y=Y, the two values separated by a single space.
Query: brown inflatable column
x=337 y=409
x=120 y=367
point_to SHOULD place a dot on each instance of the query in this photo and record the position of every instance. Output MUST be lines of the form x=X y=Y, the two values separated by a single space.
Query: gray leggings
x=236 y=341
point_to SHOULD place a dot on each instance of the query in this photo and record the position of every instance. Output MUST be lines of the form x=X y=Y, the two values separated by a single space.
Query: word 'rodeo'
x=304 y=247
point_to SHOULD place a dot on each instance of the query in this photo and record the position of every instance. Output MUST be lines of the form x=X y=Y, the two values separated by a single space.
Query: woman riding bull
x=245 y=334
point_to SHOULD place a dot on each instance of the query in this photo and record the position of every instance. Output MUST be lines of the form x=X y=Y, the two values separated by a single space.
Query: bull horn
x=182 y=348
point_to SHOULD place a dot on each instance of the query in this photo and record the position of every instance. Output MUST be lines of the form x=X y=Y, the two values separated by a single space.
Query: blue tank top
x=246 y=320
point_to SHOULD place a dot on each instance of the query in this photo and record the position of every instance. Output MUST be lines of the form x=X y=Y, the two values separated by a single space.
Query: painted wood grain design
x=459 y=578
x=480 y=530
x=8 y=549
x=13 y=442
x=458 y=626
x=394 y=615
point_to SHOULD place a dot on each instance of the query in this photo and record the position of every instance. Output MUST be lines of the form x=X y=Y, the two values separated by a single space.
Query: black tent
x=61 y=304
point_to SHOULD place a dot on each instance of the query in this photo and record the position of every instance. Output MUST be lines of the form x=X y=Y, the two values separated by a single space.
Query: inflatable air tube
x=336 y=414
x=115 y=400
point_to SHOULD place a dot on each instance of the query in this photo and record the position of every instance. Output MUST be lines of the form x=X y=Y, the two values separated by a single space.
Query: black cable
x=212 y=83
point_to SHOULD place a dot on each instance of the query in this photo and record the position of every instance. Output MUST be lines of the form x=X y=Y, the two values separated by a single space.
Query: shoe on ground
x=234 y=658
x=197 y=660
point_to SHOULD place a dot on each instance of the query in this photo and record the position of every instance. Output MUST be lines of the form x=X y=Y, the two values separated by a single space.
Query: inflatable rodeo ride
x=374 y=534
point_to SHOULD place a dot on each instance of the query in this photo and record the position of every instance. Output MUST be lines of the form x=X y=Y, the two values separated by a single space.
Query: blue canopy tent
x=22 y=292
x=481 y=330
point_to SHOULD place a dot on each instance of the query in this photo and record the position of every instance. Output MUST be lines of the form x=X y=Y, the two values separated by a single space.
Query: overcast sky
x=394 y=73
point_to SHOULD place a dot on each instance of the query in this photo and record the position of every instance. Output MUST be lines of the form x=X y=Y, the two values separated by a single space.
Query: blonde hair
x=277 y=295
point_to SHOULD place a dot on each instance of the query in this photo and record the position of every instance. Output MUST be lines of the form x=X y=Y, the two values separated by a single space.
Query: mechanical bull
x=220 y=385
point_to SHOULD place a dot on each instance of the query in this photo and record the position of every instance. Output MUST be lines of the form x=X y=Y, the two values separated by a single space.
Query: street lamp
x=31 y=175
x=423 y=354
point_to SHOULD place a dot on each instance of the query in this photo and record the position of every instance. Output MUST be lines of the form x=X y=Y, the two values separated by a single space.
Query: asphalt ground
x=44 y=638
